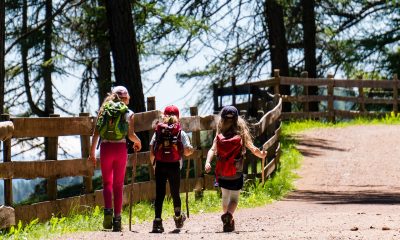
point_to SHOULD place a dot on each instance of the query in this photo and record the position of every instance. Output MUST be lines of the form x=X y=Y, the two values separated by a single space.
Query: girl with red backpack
x=114 y=122
x=168 y=144
x=233 y=137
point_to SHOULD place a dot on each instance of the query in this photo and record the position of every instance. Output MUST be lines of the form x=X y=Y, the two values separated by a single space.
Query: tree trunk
x=2 y=57
x=309 y=32
x=126 y=59
x=47 y=61
x=273 y=14
x=124 y=50
x=47 y=68
x=103 y=48
x=24 y=58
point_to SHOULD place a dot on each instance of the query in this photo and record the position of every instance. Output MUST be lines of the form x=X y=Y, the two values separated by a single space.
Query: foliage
x=348 y=42
x=353 y=40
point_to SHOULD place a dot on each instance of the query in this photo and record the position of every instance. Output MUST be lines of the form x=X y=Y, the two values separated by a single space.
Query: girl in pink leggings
x=115 y=122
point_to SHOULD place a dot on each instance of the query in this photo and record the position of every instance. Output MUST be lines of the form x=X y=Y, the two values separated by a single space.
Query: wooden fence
x=52 y=169
x=330 y=84
x=255 y=92
x=328 y=88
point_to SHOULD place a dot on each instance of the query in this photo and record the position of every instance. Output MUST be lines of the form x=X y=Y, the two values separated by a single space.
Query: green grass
x=253 y=194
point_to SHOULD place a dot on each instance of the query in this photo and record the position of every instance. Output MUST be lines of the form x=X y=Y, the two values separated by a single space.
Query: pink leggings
x=113 y=158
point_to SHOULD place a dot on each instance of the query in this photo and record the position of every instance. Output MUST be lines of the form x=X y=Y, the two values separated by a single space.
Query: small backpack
x=111 y=123
x=229 y=155
x=168 y=146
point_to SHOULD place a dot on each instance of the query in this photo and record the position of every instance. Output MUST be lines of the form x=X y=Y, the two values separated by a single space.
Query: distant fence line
x=253 y=89
x=51 y=169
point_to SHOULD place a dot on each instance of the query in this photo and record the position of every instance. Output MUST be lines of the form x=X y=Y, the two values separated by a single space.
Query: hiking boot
x=179 y=220
x=157 y=226
x=117 y=224
x=228 y=222
x=108 y=217
x=233 y=225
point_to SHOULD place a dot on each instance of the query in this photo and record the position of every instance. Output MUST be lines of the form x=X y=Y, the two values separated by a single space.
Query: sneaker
x=228 y=222
x=117 y=224
x=179 y=220
x=157 y=226
x=108 y=217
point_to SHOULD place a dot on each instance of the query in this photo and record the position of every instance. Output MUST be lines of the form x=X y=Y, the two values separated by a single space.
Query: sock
x=177 y=211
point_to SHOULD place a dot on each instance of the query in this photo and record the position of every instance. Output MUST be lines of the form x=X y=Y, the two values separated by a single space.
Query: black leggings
x=170 y=171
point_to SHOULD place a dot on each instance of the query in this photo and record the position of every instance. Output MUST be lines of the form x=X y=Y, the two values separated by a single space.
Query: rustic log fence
x=52 y=169
x=328 y=87
x=331 y=85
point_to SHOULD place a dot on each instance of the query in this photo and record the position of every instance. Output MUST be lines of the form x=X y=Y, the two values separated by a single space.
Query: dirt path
x=349 y=189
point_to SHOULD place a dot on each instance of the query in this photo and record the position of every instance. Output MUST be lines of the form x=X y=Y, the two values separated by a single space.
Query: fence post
x=221 y=86
x=151 y=105
x=8 y=194
x=277 y=81
x=331 y=110
x=361 y=93
x=306 y=106
x=51 y=154
x=233 y=80
x=85 y=151
x=215 y=97
x=260 y=114
x=243 y=113
x=395 y=94
x=198 y=164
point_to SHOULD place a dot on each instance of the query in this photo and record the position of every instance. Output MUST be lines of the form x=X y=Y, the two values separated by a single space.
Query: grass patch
x=253 y=194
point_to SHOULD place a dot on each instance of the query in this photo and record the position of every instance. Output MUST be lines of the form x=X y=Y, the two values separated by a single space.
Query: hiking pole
x=131 y=190
x=187 y=187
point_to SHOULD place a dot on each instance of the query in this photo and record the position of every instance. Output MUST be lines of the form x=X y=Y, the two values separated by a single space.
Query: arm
x=95 y=140
x=210 y=156
x=152 y=156
x=187 y=151
x=256 y=151
x=137 y=144
x=187 y=147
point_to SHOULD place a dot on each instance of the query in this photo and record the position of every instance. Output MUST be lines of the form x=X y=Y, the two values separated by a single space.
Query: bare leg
x=225 y=199
x=233 y=201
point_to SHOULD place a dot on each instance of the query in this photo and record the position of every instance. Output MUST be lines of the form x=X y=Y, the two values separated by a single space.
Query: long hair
x=165 y=119
x=111 y=97
x=238 y=126
x=170 y=119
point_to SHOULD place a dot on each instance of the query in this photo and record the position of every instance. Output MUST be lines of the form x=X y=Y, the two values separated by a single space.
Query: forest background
x=63 y=57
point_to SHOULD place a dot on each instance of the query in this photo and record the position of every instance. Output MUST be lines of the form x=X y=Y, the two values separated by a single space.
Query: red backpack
x=229 y=155
x=168 y=145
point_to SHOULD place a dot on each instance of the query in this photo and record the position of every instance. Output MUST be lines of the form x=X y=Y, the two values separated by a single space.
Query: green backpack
x=111 y=123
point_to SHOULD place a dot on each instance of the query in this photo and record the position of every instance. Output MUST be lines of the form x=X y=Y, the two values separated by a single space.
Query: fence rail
x=52 y=168
x=361 y=87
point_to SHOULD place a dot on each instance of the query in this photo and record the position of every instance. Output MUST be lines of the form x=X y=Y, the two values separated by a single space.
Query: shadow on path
x=345 y=197
x=310 y=147
x=313 y=147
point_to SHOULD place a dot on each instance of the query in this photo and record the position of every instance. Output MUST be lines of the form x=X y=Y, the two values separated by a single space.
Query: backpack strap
x=99 y=142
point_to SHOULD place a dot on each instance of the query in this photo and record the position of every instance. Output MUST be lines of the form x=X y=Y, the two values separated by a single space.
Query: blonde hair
x=238 y=126
x=166 y=119
x=170 y=119
x=111 y=97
